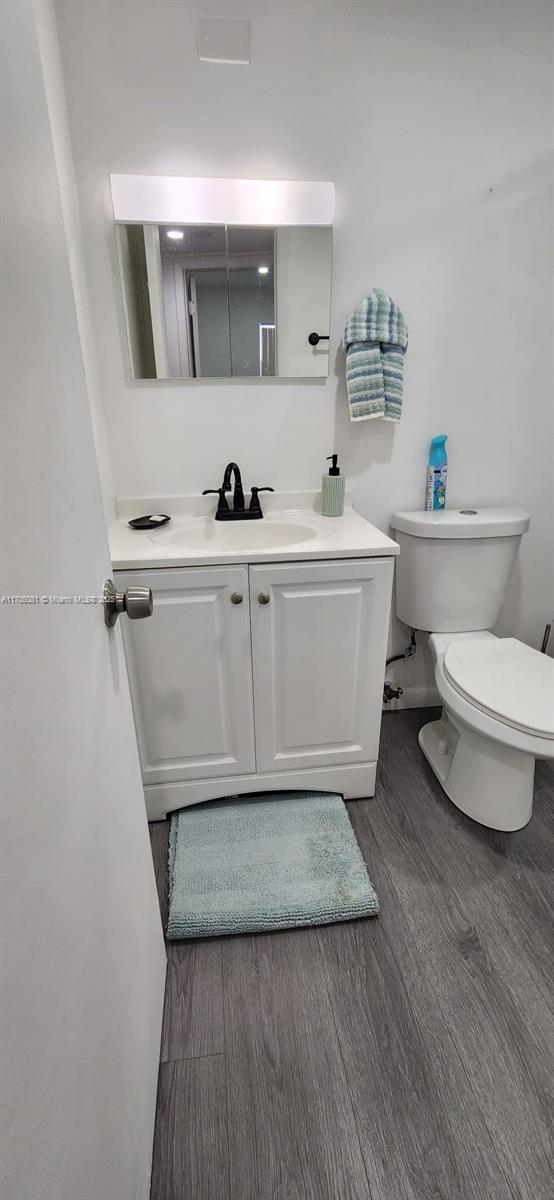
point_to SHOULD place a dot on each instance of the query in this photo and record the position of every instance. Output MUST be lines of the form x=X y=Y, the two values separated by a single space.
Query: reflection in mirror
x=216 y=301
x=251 y=301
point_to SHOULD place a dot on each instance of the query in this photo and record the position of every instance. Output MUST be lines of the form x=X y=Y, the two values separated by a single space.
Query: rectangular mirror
x=224 y=301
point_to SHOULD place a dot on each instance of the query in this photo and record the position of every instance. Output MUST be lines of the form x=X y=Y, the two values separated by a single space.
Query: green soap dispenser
x=332 y=490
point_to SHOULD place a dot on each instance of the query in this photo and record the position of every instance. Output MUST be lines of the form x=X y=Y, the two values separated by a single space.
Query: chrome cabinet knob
x=236 y=598
x=263 y=598
x=137 y=602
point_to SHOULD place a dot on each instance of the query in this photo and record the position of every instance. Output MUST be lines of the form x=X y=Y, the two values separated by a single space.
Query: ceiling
x=210 y=239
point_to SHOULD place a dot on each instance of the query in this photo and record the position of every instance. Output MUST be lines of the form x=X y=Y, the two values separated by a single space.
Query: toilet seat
x=505 y=679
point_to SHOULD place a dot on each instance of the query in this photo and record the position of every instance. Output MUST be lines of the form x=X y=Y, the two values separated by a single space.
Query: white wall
x=434 y=120
x=83 y=961
x=57 y=111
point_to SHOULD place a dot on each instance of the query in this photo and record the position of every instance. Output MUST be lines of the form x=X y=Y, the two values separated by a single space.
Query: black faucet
x=238 y=494
x=238 y=512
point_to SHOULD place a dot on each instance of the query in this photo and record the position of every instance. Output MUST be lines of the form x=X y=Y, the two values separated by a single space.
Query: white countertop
x=292 y=529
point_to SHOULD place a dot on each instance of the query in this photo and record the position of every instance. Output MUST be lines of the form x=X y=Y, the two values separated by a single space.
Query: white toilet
x=498 y=694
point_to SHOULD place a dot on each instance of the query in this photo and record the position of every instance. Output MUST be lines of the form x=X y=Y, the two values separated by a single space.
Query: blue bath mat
x=265 y=862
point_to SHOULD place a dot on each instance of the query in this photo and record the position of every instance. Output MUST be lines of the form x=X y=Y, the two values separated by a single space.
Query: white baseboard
x=416 y=695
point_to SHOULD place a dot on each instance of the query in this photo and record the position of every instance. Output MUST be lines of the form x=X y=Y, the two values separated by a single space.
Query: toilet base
x=490 y=782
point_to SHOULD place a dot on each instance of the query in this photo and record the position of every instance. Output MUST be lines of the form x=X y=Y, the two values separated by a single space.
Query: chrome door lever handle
x=137 y=602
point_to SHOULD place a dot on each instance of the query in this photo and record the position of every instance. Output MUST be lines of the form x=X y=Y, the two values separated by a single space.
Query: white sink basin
x=292 y=529
x=236 y=536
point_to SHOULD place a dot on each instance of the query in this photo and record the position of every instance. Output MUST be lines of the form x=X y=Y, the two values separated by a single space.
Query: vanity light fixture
x=263 y=270
x=181 y=200
x=175 y=234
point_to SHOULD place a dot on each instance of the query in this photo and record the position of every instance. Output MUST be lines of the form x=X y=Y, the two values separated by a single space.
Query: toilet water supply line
x=390 y=692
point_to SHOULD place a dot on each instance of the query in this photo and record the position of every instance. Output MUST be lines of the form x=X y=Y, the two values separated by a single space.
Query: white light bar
x=176 y=200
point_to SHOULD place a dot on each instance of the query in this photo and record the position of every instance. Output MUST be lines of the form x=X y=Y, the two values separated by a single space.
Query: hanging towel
x=375 y=342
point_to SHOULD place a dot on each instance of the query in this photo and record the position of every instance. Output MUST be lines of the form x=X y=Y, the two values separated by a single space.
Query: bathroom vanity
x=262 y=666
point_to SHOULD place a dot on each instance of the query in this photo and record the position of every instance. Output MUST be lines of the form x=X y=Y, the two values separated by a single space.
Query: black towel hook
x=314 y=338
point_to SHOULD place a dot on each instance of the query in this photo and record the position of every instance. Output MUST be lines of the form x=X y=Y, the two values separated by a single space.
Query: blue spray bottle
x=437 y=471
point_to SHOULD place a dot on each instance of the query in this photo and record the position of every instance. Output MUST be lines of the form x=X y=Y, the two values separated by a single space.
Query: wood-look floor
x=407 y=1057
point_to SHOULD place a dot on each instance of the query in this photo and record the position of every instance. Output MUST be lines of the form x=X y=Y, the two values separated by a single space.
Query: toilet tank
x=454 y=566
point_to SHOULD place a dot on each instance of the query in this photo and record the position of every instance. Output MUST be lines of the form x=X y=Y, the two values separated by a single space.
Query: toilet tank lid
x=464 y=522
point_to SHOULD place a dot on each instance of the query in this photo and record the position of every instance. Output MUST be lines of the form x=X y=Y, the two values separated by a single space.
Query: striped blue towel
x=375 y=342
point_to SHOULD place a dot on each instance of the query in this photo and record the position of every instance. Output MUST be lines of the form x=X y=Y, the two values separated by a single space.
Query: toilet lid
x=507 y=679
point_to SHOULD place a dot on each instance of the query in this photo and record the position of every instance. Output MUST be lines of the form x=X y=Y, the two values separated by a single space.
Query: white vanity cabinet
x=190 y=673
x=261 y=677
x=318 y=651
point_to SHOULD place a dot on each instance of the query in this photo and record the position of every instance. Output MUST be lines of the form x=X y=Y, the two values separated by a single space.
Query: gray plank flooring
x=190 y=1141
x=407 y=1057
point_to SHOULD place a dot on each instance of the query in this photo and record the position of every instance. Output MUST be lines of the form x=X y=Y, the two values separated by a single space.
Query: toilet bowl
x=497 y=719
x=498 y=694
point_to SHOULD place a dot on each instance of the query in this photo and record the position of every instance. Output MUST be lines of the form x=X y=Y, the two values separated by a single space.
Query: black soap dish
x=151 y=521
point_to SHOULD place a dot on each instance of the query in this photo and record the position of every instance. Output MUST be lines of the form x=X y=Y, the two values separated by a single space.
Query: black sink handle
x=222 y=506
x=254 y=500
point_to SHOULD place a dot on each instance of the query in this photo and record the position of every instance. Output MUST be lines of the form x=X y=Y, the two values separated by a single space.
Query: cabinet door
x=190 y=673
x=319 y=644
